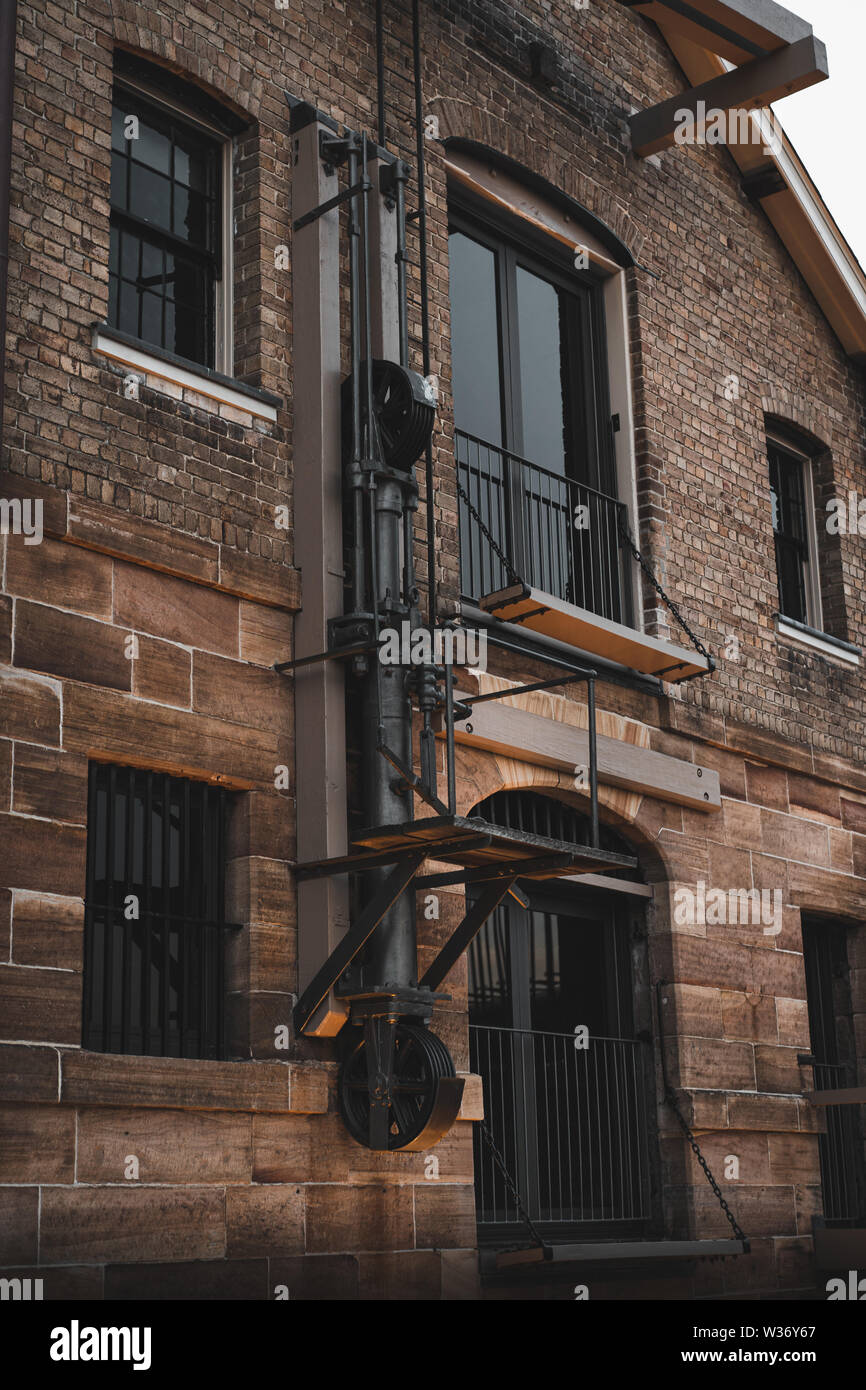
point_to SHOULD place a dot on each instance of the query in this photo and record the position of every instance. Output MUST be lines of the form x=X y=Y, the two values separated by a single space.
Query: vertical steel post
x=320 y=716
x=593 y=762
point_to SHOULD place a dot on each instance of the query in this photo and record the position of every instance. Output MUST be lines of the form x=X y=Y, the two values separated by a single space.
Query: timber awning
x=706 y=36
x=578 y=627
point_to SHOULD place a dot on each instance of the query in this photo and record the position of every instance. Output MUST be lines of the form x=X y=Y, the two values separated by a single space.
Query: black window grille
x=573 y=1124
x=831 y=1029
x=790 y=532
x=165 y=257
x=155 y=926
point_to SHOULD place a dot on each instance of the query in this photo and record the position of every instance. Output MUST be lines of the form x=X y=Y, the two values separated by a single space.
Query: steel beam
x=469 y=928
x=358 y=934
x=747 y=88
x=320 y=716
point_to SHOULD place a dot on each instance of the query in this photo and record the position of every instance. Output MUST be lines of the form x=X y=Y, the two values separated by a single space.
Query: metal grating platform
x=473 y=843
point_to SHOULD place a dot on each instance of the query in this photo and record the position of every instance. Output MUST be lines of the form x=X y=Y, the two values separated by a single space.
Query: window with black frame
x=167 y=194
x=532 y=421
x=793 y=533
x=155 y=928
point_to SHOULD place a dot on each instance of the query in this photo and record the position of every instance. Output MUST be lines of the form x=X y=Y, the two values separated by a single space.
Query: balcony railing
x=571 y=1125
x=562 y=537
x=841 y=1150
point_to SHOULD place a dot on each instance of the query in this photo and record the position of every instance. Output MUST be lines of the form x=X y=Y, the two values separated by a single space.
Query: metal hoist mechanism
x=397 y=1088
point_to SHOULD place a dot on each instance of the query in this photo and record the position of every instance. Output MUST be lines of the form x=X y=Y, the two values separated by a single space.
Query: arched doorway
x=559 y=1032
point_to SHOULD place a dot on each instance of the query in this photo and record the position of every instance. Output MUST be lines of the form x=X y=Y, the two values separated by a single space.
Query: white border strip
x=182 y=376
x=795 y=635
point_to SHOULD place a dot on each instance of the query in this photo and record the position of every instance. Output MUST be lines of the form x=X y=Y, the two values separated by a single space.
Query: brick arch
x=459 y=118
x=634 y=818
x=800 y=412
x=205 y=69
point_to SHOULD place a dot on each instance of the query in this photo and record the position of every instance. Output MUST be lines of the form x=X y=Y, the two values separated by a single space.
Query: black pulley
x=424 y=1092
x=404 y=407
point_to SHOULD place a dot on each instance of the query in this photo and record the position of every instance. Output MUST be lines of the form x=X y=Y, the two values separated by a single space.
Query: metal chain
x=668 y=602
x=672 y=1102
x=512 y=1188
x=513 y=576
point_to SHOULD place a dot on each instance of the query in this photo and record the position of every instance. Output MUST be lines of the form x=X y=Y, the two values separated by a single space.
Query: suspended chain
x=668 y=602
x=672 y=1102
x=512 y=1187
x=513 y=576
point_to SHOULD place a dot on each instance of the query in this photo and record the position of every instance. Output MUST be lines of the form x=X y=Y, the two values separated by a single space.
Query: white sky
x=824 y=122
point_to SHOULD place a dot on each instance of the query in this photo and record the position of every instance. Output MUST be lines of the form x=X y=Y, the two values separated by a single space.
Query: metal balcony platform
x=578 y=627
x=489 y=851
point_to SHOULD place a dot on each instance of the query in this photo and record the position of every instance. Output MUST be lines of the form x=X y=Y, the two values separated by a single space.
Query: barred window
x=155 y=926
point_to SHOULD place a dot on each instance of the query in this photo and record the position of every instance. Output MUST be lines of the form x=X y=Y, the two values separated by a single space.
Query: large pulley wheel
x=425 y=1093
x=404 y=407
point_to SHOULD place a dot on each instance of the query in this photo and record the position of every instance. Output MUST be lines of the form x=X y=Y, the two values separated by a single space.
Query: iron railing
x=559 y=535
x=841 y=1149
x=571 y=1124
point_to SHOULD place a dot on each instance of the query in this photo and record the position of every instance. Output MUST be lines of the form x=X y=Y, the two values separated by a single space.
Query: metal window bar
x=571 y=1124
x=154 y=968
x=840 y=1149
x=570 y=534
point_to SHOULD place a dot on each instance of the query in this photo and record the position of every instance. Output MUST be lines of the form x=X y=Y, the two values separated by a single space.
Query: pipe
x=425 y=309
x=380 y=73
x=8 y=18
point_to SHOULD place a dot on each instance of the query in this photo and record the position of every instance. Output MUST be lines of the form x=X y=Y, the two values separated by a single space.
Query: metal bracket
x=469 y=928
x=363 y=186
x=356 y=937
x=414 y=782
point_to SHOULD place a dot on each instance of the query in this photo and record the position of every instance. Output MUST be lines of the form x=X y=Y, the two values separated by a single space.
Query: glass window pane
x=129 y=253
x=153 y=147
x=541 y=371
x=149 y=195
x=151 y=318
x=192 y=160
x=475 y=339
x=119 y=180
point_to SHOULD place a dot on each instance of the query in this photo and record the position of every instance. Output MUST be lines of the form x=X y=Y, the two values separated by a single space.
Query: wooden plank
x=515 y=733
x=540 y=612
x=848 y=1095
x=747 y=88
x=616 y=1251
x=735 y=29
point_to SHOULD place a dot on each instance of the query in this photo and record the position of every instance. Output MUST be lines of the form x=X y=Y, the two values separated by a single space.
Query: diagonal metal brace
x=413 y=781
x=465 y=934
x=360 y=931
x=314 y=214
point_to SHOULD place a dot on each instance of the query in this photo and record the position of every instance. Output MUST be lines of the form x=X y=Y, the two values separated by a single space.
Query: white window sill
x=794 y=633
x=201 y=389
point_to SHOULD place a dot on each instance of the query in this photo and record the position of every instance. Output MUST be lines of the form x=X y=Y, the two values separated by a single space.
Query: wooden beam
x=515 y=733
x=618 y=1251
x=537 y=611
x=747 y=88
x=848 y=1095
x=735 y=29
